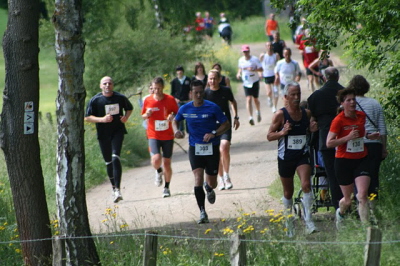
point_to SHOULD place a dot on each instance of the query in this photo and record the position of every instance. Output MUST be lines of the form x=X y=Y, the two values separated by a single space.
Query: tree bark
x=19 y=130
x=71 y=200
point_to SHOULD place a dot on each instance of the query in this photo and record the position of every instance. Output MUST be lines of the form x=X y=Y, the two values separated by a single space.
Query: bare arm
x=125 y=117
x=278 y=128
x=95 y=119
x=236 y=122
x=228 y=82
x=222 y=128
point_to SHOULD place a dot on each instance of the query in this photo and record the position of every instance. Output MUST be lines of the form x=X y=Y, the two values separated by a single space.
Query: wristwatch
x=214 y=132
x=236 y=117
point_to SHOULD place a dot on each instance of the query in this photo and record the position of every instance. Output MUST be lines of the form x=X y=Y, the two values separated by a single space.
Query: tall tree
x=71 y=201
x=19 y=129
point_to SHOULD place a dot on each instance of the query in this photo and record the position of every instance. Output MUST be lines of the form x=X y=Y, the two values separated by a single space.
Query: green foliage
x=370 y=30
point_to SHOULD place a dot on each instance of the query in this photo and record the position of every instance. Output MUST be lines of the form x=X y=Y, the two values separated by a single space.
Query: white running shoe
x=339 y=219
x=203 y=218
x=273 y=109
x=117 y=195
x=227 y=181
x=166 y=193
x=258 y=117
x=269 y=102
x=221 y=184
x=158 y=179
x=310 y=227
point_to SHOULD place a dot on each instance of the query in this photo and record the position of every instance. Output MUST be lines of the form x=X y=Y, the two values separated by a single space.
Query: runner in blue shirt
x=202 y=117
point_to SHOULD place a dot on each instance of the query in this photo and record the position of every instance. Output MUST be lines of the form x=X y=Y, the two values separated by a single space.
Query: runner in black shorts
x=223 y=97
x=110 y=110
x=202 y=117
x=290 y=126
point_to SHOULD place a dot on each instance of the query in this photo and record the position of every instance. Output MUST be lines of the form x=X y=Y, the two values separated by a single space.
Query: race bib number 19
x=204 y=149
x=296 y=142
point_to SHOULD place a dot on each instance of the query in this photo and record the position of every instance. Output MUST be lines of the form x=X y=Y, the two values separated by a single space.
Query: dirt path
x=253 y=169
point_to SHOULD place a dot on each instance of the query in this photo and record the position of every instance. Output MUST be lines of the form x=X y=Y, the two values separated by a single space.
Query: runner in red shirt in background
x=271 y=26
x=199 y=25
x=310 y=53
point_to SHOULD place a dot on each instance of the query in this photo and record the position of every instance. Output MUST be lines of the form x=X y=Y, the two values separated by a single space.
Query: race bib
x=204 y=149
x=112 y=109
x=161 y=125
x=270 y=67
x=355 y=145
x=287 y=78
x=296 y=142
x=309 y=49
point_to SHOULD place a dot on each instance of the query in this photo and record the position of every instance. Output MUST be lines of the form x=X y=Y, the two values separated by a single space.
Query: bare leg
x=167 y=169
x=225 y=161
x=362 y=183
x=249 y=106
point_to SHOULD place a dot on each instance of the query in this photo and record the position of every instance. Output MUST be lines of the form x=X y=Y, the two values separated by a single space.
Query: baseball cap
x=245 y=47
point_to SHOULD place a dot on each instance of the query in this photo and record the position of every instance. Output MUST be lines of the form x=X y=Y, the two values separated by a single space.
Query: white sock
x=307 y=201
x=287 y=203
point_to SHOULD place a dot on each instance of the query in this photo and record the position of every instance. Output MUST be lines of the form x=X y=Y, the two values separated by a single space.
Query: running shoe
x=203 y=218
x=269 y=102
x=251 y=121
x=339 y=219
x=210 y=194
x=273 y=109
x=258 y=117
x=221 y=183
x=158 y=178
x=289 y=226
x=117 y=195
x=310 y=227
x=166 y=193
x=228 y=183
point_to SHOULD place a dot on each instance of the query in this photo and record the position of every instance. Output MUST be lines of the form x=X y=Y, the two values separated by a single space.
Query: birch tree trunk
x=19 y=129
x=71 y=200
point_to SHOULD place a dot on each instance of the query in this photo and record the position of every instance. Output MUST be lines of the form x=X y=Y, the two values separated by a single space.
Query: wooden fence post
x=238 y=250
x=150 y=249
x=372 y=254
x=58 y=251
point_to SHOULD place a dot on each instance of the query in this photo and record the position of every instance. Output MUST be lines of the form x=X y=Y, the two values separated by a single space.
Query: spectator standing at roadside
x=271 y=26
x=323 y=106
x=249 y=66
x=200 y=73
x=159 y=110
x=223 y=97
x=208 y=24
x=202 y=117
x=180 y=89
x=268 y=63
x=375 y=122
x=110 y=110
x=199 y=26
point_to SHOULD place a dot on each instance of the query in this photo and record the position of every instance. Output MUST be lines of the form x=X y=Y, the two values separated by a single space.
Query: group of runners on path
x=202 y=108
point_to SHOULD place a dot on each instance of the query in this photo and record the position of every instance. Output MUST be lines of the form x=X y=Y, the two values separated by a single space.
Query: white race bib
x=355 y=145
x=204 y=149
x=308 y=49
x=161 y=125
x=296 y=142
x=112 y=109
x=287 y=78
x=270 y=67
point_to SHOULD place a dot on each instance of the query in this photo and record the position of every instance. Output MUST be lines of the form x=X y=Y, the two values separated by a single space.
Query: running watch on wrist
x=214 y=132
x=236 y=117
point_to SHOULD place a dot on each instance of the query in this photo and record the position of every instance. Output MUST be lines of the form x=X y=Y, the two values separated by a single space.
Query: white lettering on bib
x=112 y=109
x=204 y=149
x=161 y=125
x=355 y=145
x=296 y=142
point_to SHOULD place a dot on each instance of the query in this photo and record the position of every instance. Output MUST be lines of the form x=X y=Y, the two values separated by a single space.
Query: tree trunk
x=19 y=130
x=71 y=200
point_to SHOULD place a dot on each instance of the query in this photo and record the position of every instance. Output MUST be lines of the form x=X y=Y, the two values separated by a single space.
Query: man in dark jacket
x=180 y=89
x=323 y=106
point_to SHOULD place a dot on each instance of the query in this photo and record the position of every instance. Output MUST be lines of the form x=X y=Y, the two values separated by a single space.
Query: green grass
x=252 y=30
